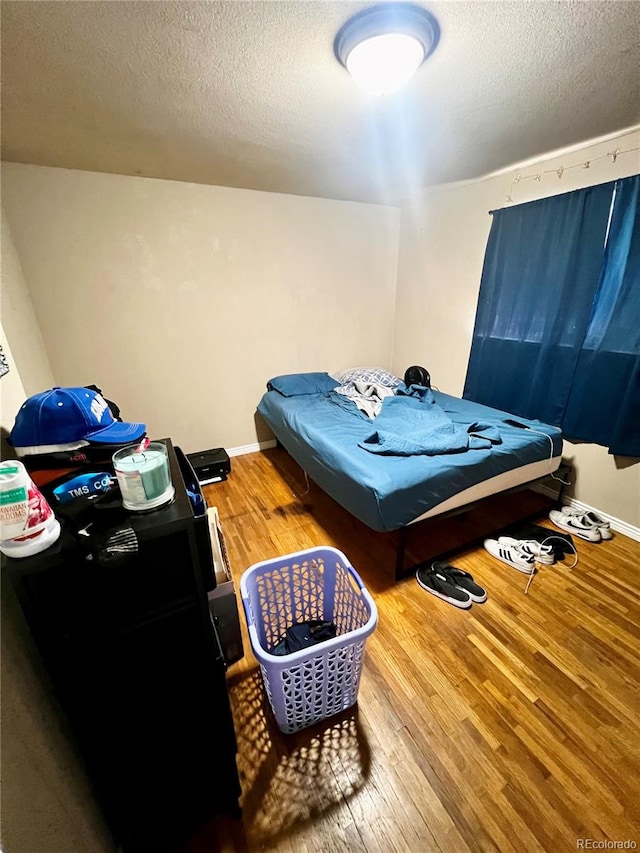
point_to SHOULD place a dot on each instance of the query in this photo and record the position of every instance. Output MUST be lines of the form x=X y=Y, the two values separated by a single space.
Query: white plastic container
x=27 y=522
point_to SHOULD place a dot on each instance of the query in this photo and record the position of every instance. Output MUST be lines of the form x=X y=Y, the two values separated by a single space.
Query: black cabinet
x=134 y=658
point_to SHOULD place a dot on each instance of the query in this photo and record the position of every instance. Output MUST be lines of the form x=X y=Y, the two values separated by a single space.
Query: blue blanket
x=385 y=491
x=412 y=423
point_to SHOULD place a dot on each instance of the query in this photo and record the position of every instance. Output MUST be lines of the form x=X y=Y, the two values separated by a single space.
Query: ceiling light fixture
x=382 y=47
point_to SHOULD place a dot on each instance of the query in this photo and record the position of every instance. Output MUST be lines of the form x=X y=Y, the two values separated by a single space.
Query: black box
x=210 y=466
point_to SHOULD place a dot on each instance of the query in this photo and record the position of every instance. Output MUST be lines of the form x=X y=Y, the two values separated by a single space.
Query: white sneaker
x=511 y=555
x=541 y=553
x=593 y=518
x=578 y=524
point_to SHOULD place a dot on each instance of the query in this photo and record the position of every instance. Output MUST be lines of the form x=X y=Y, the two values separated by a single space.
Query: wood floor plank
x=512 y=726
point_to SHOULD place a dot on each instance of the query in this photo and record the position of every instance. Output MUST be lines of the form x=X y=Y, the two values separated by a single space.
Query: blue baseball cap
x=65 y=415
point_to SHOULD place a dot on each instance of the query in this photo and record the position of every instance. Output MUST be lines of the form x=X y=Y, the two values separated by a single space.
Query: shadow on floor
x=288 y=781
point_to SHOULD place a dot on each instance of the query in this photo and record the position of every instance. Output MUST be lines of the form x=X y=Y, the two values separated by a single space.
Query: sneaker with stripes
x=540 y=552
x=511 y=555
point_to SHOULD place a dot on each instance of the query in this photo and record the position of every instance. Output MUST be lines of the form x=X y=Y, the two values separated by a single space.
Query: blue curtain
x=552 y=302
x=604 y=403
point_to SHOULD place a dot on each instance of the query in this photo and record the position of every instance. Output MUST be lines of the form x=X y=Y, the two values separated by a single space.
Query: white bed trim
x=495 y=485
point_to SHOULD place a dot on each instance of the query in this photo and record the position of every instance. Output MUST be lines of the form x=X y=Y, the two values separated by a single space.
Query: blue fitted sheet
x=388 y=492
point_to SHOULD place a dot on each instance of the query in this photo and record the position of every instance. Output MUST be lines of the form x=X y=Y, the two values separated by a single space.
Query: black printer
x=210 y=466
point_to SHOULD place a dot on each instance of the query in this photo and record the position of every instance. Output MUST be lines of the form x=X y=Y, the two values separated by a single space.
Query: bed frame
x=506 y=517
x=403 y=496
x=472 y=524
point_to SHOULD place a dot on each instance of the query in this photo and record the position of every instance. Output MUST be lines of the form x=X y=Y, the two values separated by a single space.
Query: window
x=557 y=331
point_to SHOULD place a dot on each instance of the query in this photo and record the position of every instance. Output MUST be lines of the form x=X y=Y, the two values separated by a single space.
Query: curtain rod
x=582 y=164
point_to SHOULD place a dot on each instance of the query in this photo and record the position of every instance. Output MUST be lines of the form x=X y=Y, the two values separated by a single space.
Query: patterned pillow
x=370 y=375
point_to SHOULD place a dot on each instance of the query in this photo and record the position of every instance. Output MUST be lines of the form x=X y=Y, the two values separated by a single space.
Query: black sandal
x=462 y=580
x=440 y=585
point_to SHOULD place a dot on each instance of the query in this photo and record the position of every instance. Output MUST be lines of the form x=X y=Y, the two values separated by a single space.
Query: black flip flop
x=438 y=584
x=462 y=580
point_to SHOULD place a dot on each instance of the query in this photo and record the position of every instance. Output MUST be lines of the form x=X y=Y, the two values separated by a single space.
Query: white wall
x=180 y=300
x=12 y=394
x=23 y=336
x=442 y=243
x=47 y=803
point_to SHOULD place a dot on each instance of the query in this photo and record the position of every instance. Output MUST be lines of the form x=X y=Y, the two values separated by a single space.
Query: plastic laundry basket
x=322 y=680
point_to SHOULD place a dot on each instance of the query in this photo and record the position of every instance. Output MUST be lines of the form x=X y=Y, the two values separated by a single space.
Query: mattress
x=388 y=492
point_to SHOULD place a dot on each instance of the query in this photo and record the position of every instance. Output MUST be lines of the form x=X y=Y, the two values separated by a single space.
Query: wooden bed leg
x=400 y=550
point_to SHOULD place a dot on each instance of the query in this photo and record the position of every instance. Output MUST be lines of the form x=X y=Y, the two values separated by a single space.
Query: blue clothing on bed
x=412 y=423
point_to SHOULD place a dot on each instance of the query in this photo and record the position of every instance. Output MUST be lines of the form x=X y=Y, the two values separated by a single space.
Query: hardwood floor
x=512 y=726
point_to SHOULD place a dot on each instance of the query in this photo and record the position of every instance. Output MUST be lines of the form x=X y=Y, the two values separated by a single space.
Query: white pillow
x=370 y=375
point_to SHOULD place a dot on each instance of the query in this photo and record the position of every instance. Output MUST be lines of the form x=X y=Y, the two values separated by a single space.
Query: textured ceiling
x=249 y=94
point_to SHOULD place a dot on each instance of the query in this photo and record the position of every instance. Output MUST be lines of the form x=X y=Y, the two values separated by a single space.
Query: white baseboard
x=616 y=523
x=251 y=448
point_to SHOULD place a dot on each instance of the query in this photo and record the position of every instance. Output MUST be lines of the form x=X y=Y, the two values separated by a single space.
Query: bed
x=332 y=442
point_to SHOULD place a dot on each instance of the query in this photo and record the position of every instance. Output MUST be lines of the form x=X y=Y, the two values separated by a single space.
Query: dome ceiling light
x=382 y=47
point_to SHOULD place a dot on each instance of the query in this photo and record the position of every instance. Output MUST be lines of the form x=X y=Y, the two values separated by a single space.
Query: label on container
x=132 y=488
x=13 y=496
x=23 y=512
x=9 y=469
x=144 y=478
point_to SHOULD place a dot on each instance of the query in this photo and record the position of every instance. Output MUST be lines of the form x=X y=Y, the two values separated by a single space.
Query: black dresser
x=134 y=658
